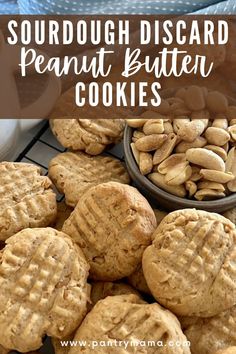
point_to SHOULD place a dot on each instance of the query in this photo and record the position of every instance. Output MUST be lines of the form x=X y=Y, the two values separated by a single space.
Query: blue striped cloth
x=117 y=6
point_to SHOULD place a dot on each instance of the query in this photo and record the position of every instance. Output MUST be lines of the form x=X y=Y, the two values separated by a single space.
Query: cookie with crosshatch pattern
x=99 y=291
x=26 y=198
x=128 y=318
x=113 y=224
x=190 y=267
x=44 y=290
x=73 y=173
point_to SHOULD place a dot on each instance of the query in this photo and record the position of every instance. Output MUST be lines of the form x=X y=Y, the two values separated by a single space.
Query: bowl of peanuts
x=182 y=154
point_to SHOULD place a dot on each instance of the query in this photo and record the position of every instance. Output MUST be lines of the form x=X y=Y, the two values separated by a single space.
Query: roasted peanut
x=191 y=187
x=191 y=130
x=165 y=150
x=208 y=194
x=205 y=158
x=153 y=126
x=159 y=181
x=135 y=151
x=183 y=146
x=218 y=150
x=195 y=174
x=150 y=142
x=211 y=185
x=145 y=163
x=136 y=123
x=179 y=174
x=170 y=162
x=232 y=131
x=217 y=136
x=217 y=176
x=221 y=123
x=168 y=128
x=137 y=135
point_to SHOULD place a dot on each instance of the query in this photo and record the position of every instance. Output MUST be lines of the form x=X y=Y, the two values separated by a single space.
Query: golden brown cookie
x=231 y=215
x=26 y=198
x=99 y=291
x=137 y=280
x=74 y=173
x=128 y=318
x=189 y=267
x=43 y=282
x=63 y=212
x=89 y=135
x=207 y=335
x=113 y=224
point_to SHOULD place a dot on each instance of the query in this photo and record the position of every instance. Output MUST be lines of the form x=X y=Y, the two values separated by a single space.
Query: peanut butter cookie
x=43 y=281
x=190 y=266
x=99 y=291
x=113 y=224
x=26 y=198
x=128 y=318
x=74 y=173
x=89 y=135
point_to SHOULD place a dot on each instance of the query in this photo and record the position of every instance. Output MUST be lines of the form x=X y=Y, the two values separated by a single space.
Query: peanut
x=153 y=126
x=150 y=142
x=171 y=162
x=232 y=131
x=191 y=130
x=217 y=136
x=218 y=150
x=211 y=185
x=191 y=187
x=165 y=150
x=183 y=146
x=135 y=151
x=136 y=123
x=208 y=194
x=205 y=158
x=221 y=123
x=145 y=163
x=178 y=174
x=217 y=176
x=159 y=181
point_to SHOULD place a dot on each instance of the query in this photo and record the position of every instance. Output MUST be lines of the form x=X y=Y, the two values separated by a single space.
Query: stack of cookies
x=102 y=267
